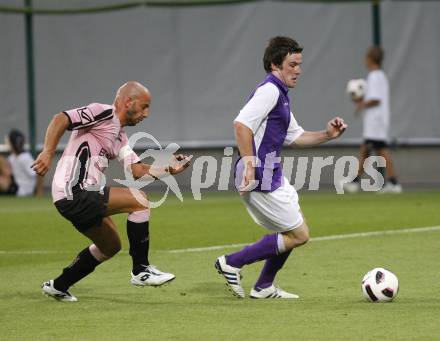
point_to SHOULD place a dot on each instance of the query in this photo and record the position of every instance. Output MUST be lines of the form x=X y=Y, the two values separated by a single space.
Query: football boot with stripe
x=231 y=275
x=271 y=292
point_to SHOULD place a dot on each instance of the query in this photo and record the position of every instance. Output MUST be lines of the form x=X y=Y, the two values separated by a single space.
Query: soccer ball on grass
x=380 y=285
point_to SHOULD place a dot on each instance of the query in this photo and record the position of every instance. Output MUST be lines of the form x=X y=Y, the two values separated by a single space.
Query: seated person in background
x=7 y=183
x=22 y=179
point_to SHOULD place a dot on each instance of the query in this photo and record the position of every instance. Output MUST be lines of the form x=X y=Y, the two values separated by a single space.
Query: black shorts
x=86 y=209
x=375 y=144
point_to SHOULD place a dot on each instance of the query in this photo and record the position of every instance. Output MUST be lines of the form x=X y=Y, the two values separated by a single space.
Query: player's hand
x=335 y=128
x=248 y=183
x=179 y=163
x=42 y=164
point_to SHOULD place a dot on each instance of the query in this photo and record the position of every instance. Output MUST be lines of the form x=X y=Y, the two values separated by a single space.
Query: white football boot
x=351 y=187
x=391 y=188
x=50 y=291
x=271 y=292
x=151 y=276
x=231 y=275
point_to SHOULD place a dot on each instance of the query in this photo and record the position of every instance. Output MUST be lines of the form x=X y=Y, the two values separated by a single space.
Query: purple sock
x=265 y=248
x=270 y=269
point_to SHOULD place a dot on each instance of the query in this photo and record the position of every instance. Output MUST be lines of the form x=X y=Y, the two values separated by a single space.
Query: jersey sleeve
x=375 y=87
x=88 y=116
x=259 y=106
x=126 y=155
x=293 y=132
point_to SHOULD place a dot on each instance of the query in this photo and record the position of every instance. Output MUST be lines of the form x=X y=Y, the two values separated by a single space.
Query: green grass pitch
x=36 y=243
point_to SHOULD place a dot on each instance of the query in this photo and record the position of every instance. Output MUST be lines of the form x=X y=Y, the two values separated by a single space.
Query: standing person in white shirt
x=23 y=179
x=376 y=121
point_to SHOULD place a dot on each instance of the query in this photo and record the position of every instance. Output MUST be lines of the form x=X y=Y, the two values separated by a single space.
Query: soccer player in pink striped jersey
x=79 y=192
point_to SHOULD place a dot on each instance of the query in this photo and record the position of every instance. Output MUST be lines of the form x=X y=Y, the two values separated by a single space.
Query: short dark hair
x=16 y=138
x=376 y=54
x=278 y=49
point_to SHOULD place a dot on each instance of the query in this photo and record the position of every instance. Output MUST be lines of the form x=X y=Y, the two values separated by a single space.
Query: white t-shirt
x=377 y=118
x=24 y=176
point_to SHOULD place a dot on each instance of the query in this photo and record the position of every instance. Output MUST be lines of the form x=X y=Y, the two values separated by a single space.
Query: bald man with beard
x=79 y=196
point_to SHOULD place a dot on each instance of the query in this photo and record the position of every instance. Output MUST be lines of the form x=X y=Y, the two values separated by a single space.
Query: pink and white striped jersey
x=97 y=136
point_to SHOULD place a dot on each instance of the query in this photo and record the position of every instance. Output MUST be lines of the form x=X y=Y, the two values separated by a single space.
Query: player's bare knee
x=303 y=234
x=303 y=239
x=289 y=240
x=296 y=237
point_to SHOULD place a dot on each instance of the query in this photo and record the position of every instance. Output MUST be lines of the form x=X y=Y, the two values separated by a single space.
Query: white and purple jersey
x=97 y=136
x=268 y=115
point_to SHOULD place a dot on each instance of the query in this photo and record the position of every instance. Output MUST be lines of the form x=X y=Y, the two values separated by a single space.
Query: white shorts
x=278 y=211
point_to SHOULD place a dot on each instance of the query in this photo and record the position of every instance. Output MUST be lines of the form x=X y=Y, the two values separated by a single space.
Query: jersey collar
x=270 y=77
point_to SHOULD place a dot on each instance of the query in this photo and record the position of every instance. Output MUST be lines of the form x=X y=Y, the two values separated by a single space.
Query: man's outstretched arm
x=335 y=128
x=178 y=164
x=54 y=132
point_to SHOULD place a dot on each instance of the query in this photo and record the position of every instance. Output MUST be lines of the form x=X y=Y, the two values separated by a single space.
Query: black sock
x=393 y=180
x=139 y=239
x=356 y=179
x=83 y=265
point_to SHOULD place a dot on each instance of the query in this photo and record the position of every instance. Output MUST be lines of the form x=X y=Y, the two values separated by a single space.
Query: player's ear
x=128 y=102
x=275 y=67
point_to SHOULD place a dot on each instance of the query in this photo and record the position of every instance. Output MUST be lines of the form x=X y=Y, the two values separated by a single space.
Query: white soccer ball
x=356 y=88
x=380 y=285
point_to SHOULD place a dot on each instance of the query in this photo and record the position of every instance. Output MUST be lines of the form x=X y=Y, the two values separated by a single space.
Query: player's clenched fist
x=179 y=163
x=336 y=127
x=42 y=163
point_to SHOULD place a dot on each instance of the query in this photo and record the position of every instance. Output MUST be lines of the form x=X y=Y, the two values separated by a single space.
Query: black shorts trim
x=376 y=144
x=86 y=209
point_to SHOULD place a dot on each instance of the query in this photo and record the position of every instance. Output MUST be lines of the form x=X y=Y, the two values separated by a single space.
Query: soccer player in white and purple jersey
x=262 y=127
x=79 y=192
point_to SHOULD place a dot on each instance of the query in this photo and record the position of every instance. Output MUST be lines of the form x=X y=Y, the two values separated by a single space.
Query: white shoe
x=231 y=275
x=50 y=291
x=151 y=276
x=351 y=187
x=271 y=292
x=391 y=188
